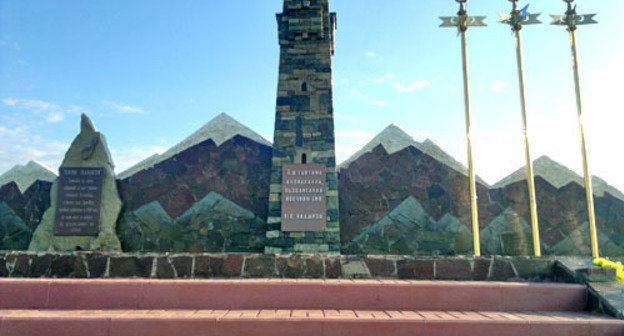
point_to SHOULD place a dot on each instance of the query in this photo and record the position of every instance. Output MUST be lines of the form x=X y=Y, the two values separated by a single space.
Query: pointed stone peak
x=25 y=175
x=432 y=149
x=220 y=129
x=86 y=125
x=410 y=208
x=559 y=176
x=393 y=138
x=33 y=164
x=546 y=161
x=555 y=173
x=601 y=186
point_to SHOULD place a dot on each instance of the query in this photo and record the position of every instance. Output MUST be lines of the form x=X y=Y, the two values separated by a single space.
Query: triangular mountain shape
x=432 y=149
x=408 y=229
x=212 y=224
x=559 y=176
x=25 y=175
x=578 y=243
x=601 y=186
x=507 y=234
x=394 y=139
x=220 y=129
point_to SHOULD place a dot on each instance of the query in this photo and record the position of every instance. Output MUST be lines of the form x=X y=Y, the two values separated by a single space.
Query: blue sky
x=149 y=73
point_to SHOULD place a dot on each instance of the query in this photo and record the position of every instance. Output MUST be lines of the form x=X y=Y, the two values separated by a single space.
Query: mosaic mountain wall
x=214 y=198
x=374 y=186
x=562 y=215
x=214 y=224
x=206 y=198
x=238 y=169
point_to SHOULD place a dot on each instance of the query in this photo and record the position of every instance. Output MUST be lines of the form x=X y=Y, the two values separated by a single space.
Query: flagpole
x=516 y=27
x=571 y=20
x=588 y=182
x=462 y=21
x=527 y=155
x=471 y=173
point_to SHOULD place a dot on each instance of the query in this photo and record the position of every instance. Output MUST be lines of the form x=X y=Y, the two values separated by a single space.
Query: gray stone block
x=597 y=274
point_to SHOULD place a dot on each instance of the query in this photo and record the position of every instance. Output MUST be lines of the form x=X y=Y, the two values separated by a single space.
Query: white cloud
x=50 y=112
x=75 y=109
x=499 y=85
x=9 y=101
x=29 y=104
x=130 y=109
x=380 y=80
x=378 y=103
x=417 y=85
x=370 y=54
x=55 y=117
x=128 y=157
x=123 y=108
x=354 y=93
x=12 y=132
x=18 y=147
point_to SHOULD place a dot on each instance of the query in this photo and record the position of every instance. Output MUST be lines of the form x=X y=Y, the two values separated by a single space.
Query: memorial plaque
x=303 y=197
x=79 y=200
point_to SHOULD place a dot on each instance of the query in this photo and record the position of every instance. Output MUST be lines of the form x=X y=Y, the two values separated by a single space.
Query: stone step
x=289 y=294
x=326 y=322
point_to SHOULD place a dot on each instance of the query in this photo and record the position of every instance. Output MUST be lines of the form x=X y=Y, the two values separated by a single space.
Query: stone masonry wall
x=240 y=265
x=304 y=124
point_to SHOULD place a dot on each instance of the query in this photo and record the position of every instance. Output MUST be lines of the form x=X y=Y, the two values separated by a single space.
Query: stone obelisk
x=303 y=201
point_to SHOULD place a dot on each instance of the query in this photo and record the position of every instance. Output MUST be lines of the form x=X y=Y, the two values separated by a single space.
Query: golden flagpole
x=571 y=20
x=516 y=20
x=462 y=21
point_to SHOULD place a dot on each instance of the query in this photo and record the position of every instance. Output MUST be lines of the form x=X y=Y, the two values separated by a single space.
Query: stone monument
x=84 y=199
x=303 y=199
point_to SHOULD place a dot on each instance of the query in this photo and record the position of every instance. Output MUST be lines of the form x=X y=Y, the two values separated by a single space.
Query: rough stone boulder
x=88 y=149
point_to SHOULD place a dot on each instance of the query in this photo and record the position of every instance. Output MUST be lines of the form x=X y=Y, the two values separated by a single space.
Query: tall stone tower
x=303 y=201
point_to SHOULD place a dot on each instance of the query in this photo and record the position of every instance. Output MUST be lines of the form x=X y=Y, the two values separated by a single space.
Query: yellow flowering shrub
x=603 y=262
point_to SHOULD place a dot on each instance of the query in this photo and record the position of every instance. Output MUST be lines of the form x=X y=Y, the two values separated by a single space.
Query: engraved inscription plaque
x=78 y=202
x=303 y=197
